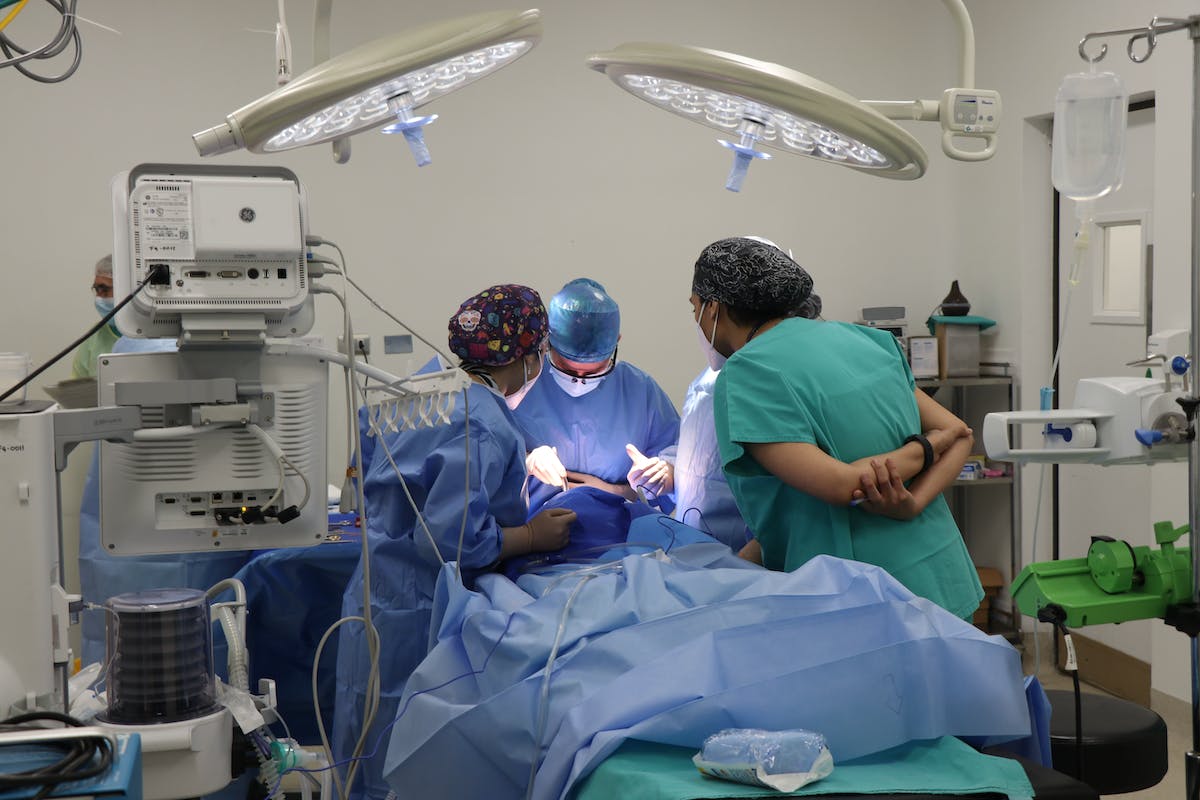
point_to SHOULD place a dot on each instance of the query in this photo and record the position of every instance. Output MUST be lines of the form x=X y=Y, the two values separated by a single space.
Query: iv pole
x=1184 y=617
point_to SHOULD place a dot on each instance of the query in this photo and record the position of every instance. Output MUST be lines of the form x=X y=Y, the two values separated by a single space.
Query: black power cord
x=1057 y=617
x=159 y=273
x=82 y=758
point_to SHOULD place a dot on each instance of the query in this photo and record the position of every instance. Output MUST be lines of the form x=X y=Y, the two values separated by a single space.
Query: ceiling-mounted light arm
x=966 y=35
x=963 y=111
x=322 y=46
x=283 y=48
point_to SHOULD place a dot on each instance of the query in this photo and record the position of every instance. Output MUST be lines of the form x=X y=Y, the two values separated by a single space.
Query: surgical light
x=378 y=82
x=765 y=104
x=762 y=103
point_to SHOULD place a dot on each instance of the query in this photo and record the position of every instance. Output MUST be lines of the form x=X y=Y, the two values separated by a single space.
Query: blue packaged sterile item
x=781 y=760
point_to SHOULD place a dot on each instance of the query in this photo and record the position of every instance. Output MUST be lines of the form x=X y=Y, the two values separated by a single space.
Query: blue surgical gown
x=102 y=576
x=404 y=567
x=702 y=496
x=591 y=431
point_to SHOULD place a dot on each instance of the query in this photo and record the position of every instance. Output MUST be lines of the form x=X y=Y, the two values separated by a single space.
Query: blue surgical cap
x=584 y=322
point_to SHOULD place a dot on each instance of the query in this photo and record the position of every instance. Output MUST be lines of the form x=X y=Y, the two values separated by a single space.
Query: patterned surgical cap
x=755 y=277
x=499 y=325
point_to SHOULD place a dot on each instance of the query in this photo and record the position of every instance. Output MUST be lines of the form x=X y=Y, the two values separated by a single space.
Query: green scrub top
x=99 y=343
x=847 y=389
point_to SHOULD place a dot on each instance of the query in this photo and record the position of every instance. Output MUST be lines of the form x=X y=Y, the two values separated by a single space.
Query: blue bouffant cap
x=585 y=322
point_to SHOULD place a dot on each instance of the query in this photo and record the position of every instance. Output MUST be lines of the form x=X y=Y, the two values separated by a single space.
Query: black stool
x=1124 y=744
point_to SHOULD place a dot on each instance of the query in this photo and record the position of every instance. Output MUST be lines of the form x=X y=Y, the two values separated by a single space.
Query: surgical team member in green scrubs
x=828 y=446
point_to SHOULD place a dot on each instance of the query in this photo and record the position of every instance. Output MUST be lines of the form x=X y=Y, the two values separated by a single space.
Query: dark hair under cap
x=754 y=278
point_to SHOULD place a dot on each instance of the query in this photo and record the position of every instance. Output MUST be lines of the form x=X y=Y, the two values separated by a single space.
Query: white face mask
x=715 y=359
x=576 y=387
x=513 y=400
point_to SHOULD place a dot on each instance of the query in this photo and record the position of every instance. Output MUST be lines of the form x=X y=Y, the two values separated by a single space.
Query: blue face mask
x=104 y=305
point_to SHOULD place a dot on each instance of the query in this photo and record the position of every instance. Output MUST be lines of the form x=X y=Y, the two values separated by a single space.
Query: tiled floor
x=1176 y=713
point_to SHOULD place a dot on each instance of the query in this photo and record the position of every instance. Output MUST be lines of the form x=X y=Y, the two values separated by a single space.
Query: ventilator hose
x=239 y=674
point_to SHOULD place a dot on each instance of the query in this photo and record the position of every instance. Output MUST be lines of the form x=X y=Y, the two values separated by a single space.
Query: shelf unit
x=962 y=397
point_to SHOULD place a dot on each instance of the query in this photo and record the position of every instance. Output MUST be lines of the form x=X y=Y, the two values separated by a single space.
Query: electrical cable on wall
x=18 y=57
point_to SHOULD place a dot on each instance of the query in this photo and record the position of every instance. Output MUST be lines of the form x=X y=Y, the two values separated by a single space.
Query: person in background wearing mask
x=415 y=488
x=820 y=427
x=593 y=416
x=691 y=471
x=102 y=341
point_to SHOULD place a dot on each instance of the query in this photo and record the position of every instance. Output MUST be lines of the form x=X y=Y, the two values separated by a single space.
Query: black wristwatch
x=920 y=439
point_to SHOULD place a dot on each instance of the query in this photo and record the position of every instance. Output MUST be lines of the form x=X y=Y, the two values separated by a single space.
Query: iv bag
x=1089 y=135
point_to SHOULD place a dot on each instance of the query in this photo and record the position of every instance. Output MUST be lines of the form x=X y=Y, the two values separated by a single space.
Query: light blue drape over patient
x=669 y=652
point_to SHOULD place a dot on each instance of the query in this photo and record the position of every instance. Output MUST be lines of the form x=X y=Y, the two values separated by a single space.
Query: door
x=1108 y=318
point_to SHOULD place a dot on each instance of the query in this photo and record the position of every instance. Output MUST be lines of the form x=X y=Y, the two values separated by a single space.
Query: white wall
x=546 y=171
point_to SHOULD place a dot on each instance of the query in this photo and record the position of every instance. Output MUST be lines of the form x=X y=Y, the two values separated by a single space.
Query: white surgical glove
x=654 y=473
x=543 y=464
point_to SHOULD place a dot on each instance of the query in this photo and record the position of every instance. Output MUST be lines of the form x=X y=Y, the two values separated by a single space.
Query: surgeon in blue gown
x=498 y=334
x=102 y=576
x=580 y=417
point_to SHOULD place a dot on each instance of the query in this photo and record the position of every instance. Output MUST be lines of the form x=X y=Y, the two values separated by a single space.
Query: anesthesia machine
x=220 y=445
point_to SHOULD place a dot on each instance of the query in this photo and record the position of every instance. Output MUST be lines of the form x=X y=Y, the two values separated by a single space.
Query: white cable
x=307 y=487
x=282 y=462
x=399 y=321
x=1081 y=245
x=412 y=503
x=371 y=701
x=275 y=450
x=175 y=432
x=334 y=357
x=544 y=699
x=321 y=732
x=351 y=418
x=372 y=689
x=352 y=432
x=462 y=531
